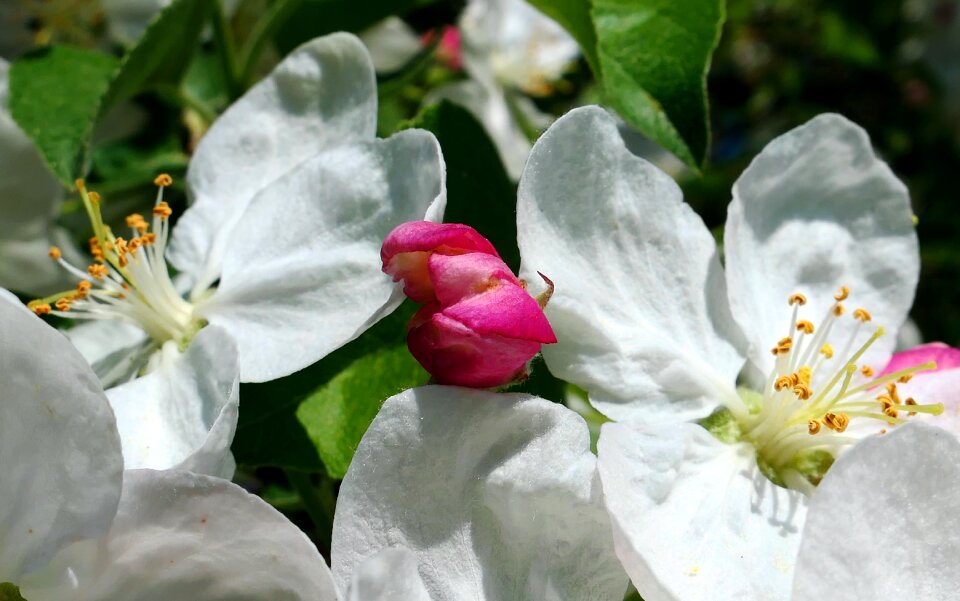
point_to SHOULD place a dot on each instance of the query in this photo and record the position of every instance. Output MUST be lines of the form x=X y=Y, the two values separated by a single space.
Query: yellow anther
x=137 y=222
x=797 y=299
x=806 y=326
x=783 y=382
x=783 y=347
x=838 y=310
x=861 y=314
x=63 y=304
x=827 y=351
x=804 y=374
x=54 y=253
x=905 y=378
x=842 y=295
x=162 y=210
x=148 y=239
x=837 y=422
x=95 y=250
x=39 y=308
x=83 y=289
x=79 y=183
x=94 y=198
x=910 y=401
x=867 y=371
x=892 y=391
x=97 y=271
x=163 y=180
x=813 y=426
x=802 y=391
x=134 y=244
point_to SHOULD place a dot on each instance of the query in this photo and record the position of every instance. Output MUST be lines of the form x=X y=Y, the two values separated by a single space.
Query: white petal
x=496 y=494
x=391 y=43
x=693 y=518
x=640 y=308
x=884 y=523
x=390 y=575
x=59 y=449
x=302 y=273
x=182 y=415
x=814 y=211
x=29 y=200
x=488 y=103
x=321 y=96
x=181 y=536
x=116 y=350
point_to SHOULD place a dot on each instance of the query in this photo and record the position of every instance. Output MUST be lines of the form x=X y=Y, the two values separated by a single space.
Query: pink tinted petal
x=945 y=355
x=407 y=248
x=450 y=48
x=455 y=277
x=455 y=354
x=505 y=310
x=941 y=386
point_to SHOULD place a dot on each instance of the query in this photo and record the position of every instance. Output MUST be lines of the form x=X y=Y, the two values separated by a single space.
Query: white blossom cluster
x=765 y=442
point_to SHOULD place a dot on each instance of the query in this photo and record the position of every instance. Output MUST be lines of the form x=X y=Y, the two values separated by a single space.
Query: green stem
x=318 y=503
x=223 y=38
x=264 y=31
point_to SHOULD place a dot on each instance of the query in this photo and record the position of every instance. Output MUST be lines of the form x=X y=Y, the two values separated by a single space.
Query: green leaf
x=653 y=57
x=55 y=97
x=314 y=419
x=320 y=17
x=9 y=592
x=574 y=16
x=58 y=93
x=163 y=53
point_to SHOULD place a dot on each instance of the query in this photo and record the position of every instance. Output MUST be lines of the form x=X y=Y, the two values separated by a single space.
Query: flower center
x=798 y=422
x=128 y=279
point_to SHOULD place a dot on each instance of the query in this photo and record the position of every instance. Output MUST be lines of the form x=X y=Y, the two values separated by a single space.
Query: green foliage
x=55 y=98
x=9 y=592
x=319 y=17
x=314 y=419
x=58 y=93
x=654 y=57
x=651 y=58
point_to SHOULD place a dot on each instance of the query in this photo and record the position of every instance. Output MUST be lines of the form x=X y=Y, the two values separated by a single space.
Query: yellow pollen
x=838 y=310
x=98 y=271
x=904 y=378
x=842 y=295
x=39 y=308
x=910 y=401
x=95 y=249
x=813 y=426
x=827 y=351
x=861 y=314
x=804 y=374
x=94 y=197
x=783 y=347
x=783 y=382
x=162 y=210
x=802 y=391
x=163 y=180
x=867 y=371
x=63 y=304
x=806 y=326
x=148 y=239
x=54 y=253
x=78 y=183
x=83 y=289
x=797 y=299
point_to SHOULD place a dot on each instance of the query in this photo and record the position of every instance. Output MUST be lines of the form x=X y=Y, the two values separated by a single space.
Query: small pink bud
x=408 y=247
x=449 y=49
x=479 y=326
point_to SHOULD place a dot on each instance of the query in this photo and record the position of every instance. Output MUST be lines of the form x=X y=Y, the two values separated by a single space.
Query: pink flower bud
x=407 y=248
x=479 y=326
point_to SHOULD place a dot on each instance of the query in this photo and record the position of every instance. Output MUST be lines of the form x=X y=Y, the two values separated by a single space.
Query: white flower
x=657 y=332
x=884 y=525
x=509 y=49
x=464 y=494
x=69 y=534
x=292 y=194
x=391 y=43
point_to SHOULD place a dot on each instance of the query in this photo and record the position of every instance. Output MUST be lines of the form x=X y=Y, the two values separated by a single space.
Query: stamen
x=843 y=294
x=39 y=308
x=813 y=426
x=797 y=299
x=97 y=271
x=163 y=180
x=867 y=371
x=827 y=351
x=861 y=314
x=805 y=326
x=162 y=210
x=54 y=253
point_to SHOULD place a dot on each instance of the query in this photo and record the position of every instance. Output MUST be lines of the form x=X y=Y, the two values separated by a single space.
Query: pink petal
x=945 y=355
x=455 y=277
x=506 y=311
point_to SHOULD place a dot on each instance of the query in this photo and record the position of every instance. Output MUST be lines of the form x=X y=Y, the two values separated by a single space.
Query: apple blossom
x=468 y=494
x=941 y=385
x=509 y=49
x=479 y=326
x=70 y=534
x=657 y=332
x=291 y=195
